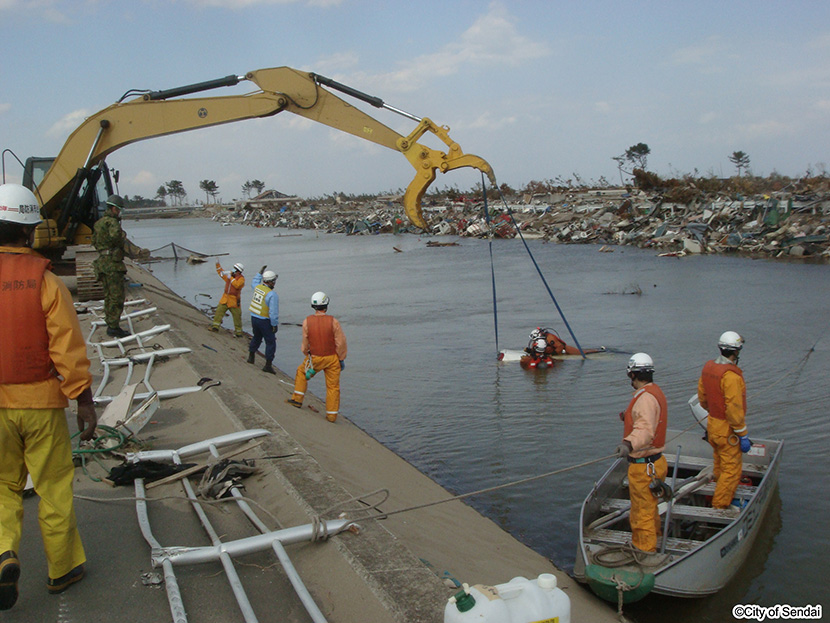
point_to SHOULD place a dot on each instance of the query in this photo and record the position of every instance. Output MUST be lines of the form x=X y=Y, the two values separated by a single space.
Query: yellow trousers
x=728 y=462
x=36 y=442
x=644 y=518
x=330 y=365
x=236 y=314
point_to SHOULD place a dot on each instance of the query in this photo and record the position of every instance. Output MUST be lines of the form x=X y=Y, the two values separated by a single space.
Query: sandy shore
x=394 y=569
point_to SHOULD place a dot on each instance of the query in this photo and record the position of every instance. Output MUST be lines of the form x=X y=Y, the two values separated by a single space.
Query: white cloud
x=766 y=129
x=822 y=105
x=244 y=4
x=820 y=42
x=708 y=117
x=143 y=178
x=68 y=123
x=602 y=107
x=5 y=107
x=49 y=9
x=486 y=121
x=492 y=40
x=708 y=57
x=341 y=61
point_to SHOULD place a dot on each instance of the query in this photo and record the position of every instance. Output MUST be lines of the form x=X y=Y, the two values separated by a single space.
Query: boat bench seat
x=693 y=462
x=623 y=537
x=743 y=491
x=678 y=511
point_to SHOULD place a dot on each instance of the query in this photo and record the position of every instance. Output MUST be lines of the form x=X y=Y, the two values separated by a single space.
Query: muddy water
x=422 y=375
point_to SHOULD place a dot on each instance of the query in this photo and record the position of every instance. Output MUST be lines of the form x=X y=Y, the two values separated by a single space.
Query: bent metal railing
x=224 y=552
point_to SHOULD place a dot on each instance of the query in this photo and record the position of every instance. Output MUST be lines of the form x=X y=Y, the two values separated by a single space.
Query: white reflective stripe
x=739 y=430
x=299 y=393
x=331 y=412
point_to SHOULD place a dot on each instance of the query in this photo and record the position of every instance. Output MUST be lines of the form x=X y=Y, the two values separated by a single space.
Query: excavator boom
x=159 y=113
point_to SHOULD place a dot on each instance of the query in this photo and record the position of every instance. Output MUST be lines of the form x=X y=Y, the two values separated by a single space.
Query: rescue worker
x=265 y=313
x=43 y=363
x=537 y=353
x=722 y=392
x=108 y=239
x=234 y=282
x=644 y=438
x=555 y=344
x=324 y=345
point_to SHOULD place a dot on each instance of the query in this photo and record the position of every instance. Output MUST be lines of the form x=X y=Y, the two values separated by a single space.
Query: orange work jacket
x=659 y=439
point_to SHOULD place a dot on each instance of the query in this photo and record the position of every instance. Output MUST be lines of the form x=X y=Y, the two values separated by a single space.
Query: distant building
x=269 y=200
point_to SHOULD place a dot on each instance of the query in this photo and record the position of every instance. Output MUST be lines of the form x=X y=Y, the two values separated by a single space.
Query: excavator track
x=89 y=288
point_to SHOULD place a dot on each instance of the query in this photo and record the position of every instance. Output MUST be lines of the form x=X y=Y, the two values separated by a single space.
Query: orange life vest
x=321 y=335
x=711 y=376
x=556 y=346
x=660 y=434
x=24 y=356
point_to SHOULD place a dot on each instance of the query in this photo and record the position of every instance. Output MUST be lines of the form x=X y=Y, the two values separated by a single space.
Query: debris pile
x=782 y=226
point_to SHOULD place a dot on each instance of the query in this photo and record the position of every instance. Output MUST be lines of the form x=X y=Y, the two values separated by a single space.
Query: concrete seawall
x=395 y=569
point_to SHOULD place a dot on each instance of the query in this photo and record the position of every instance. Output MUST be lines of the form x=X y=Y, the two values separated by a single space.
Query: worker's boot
x=117 y=332
x=9 y=574
x=250 y=357
x=268 y=368
x=62 y=583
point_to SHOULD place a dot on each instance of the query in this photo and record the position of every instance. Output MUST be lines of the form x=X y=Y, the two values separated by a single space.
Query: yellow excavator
x=73 y=186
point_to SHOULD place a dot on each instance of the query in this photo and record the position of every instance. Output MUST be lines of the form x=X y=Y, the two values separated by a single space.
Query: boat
x=701 y=548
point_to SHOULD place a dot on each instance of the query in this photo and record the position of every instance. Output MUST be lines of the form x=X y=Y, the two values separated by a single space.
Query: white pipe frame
x=168 y=557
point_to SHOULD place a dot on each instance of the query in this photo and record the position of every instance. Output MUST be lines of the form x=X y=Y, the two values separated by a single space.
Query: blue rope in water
x=538 y=270
x=492 y=265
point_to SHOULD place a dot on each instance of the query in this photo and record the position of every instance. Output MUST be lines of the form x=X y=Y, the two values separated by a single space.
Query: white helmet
x=19 y=205
x=730 y=340
x=640 y=362
x=319 y=299
x=540 y=344
x=239 y=267
x=536 y=334
x=269 y=275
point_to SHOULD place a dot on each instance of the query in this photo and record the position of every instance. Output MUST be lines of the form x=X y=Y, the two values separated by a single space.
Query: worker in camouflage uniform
x=108 y=238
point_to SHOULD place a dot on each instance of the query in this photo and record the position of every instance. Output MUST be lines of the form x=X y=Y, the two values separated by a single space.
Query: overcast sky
x=540 y=89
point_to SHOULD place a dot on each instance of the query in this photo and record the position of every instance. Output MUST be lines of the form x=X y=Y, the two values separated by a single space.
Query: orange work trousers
x=728 y=462
x=330 y=365
x=644 y=518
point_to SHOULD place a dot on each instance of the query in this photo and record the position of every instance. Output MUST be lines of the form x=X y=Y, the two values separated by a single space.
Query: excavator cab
x=71 y=221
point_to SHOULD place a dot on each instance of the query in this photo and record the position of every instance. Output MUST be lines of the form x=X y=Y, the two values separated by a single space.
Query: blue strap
x=538 y=270
x=492 y=265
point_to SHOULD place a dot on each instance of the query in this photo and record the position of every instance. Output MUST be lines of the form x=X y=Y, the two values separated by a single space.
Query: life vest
x=321 y=335
x=660 y=434
x=711 y=376
x=529 y=362
x=556 y=346
x=259 y=306
x=24 y=356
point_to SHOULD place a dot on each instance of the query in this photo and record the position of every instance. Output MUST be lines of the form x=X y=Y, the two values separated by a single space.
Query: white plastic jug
x=519 y=601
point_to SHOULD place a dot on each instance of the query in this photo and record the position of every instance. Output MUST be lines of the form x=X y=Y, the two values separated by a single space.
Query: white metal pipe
x=291 y=573
x=247 y=545
x=143 y=357
x=174 y=596
x=224 y=557
x=174 y=392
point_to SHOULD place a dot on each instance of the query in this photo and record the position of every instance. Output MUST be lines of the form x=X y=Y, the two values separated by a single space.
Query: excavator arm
x=159 y=113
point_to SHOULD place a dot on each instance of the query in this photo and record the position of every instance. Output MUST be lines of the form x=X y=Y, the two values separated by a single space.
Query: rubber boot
x=268 y=368
x=117 y=332
x=250 y=357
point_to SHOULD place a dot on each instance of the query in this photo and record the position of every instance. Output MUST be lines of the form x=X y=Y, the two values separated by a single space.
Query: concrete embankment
x=395 y=569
